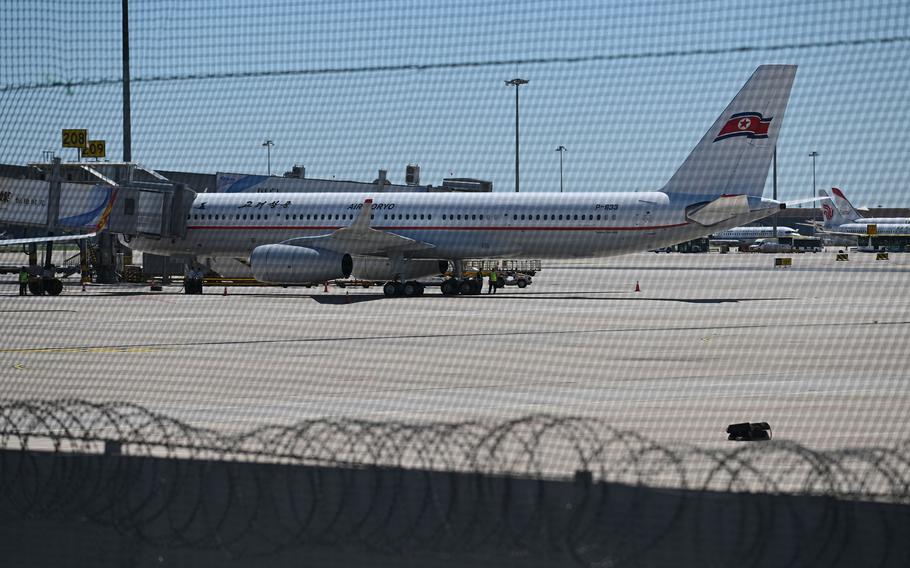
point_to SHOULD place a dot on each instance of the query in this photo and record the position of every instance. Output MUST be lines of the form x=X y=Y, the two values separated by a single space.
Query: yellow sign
x=75 y=138
x=95 y=149
x=871 y=229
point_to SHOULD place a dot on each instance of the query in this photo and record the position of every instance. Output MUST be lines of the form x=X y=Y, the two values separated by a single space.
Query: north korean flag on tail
x=749 y=124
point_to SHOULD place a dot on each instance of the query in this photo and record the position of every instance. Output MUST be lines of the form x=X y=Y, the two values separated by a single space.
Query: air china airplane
x=298 y=238
x=842 y=219
x=847 y=210
x=748 y=235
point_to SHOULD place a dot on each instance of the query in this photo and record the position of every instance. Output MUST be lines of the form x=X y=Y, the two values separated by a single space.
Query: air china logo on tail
x=750 y=124
x=827 y=211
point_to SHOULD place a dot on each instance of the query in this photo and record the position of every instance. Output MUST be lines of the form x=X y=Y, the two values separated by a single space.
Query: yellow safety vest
x=493 y=276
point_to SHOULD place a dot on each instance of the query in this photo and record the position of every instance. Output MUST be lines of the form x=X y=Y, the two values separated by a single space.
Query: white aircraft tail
x=844 y=206
x=832 y=215
x=734 y=156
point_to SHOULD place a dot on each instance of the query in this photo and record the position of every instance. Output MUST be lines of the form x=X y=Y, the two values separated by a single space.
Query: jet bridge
x=76 y=201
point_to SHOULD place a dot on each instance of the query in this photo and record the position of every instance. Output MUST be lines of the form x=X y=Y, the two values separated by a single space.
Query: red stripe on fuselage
x=423 y=228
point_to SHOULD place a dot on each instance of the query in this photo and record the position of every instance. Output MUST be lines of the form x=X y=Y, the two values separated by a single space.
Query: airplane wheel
x=36 y=287
x=53 y=286
x=466 y=287
x=522 y=283
x=390 y=289
x=449 y=287
x=411 y=289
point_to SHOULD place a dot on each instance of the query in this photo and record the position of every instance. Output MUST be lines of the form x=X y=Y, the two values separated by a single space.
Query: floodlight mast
x=516 y=83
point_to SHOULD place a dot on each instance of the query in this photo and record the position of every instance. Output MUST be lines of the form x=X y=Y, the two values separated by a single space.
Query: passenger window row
x=217 y=217
x=546 y=217
x=400 y=217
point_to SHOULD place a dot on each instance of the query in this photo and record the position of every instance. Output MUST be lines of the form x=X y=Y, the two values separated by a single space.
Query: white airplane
x=842 y=219
x=847 y=210
x=300 y=238
x=748 y=235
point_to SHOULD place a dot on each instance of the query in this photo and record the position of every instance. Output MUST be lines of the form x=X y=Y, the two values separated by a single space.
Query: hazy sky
x=347 y=88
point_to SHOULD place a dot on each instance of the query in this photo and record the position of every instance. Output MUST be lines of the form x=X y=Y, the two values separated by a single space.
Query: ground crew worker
x=493 y=278
x=23 y=281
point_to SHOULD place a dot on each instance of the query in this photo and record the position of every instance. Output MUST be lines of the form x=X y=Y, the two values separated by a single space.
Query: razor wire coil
x=535 y=482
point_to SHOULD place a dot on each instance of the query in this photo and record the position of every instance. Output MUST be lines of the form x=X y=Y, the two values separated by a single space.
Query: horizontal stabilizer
x=807 y=201
x=719 y=210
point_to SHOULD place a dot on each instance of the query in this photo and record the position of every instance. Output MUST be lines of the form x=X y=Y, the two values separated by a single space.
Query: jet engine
x=371 y=268
x=287 y=264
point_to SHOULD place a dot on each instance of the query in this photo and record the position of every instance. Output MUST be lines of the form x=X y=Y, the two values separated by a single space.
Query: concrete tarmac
x=820 y=350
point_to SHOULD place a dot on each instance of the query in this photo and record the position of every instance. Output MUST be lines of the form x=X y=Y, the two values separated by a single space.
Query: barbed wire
x=540 y=483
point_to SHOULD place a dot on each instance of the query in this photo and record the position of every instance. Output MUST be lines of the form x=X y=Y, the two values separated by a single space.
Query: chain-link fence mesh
x=348 y=88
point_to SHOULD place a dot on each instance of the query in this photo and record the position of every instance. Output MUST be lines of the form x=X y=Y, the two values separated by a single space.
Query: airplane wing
x=359 y=238
x=59 y=239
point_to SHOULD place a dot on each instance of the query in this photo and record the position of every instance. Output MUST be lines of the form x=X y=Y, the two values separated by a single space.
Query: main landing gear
x=461 y=285
x=465 y=287
x=193 y=278
x=407 y=289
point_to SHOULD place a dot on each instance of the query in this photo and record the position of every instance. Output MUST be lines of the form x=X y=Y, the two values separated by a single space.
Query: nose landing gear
x=42 y=286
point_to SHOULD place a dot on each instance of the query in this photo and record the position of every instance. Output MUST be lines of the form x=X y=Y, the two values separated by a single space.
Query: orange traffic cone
x=326 y=287
x=637 y=287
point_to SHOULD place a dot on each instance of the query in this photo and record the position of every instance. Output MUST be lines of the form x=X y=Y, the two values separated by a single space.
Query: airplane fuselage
x=459 y=225
x=862 y=229
x=747 y=235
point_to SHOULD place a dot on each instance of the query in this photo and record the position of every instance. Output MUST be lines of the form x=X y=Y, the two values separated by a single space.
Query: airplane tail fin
x=734 y=156
x=843 y=205
x=832 y=214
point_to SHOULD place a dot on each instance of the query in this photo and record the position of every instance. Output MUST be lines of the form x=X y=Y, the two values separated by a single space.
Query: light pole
x=516 y=83
x=813 y=154
x=268 y=148
x=561 y=149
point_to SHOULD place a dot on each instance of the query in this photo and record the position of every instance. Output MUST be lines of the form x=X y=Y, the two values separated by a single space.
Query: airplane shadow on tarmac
x=348 y=299
x=616 y=296
x=336 y=300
